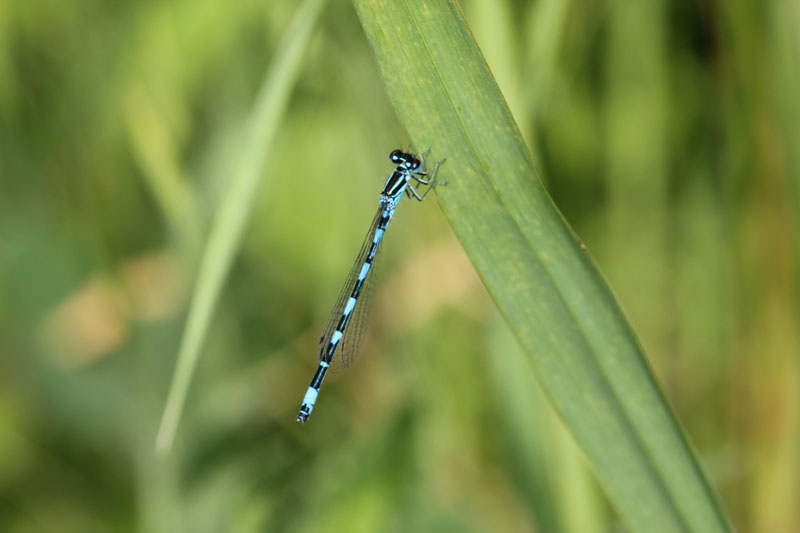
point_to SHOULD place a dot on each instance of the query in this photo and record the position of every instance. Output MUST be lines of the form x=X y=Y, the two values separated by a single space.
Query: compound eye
x=415 y=164
x=394 y=157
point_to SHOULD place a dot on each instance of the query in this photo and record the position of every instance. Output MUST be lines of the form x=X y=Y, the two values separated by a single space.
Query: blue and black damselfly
x=339 y=343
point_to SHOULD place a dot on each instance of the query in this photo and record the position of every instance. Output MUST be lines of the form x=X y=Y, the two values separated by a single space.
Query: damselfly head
x=397 y=157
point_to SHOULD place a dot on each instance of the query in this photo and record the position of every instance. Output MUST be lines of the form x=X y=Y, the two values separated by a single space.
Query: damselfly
x=339 y=343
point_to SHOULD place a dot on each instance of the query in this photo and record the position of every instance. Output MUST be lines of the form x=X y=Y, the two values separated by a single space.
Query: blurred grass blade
x=229 y=223
x=157 y=155
x=556 y=302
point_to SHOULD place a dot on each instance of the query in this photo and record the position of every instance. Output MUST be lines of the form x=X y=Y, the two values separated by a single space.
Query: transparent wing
x=347 y=349
x=354 y=335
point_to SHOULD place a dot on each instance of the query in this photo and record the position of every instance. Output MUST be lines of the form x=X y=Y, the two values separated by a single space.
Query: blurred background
x=668 y=133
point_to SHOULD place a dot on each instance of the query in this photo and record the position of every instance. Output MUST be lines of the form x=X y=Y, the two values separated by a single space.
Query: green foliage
x=535 y=269
x=227 y=227
x=664 y=132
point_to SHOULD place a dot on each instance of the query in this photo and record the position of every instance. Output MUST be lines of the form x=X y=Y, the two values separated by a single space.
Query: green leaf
x=235 y=208
x=551 y=294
